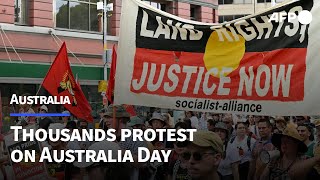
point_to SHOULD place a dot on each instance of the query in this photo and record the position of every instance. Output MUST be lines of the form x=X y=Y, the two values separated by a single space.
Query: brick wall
x=115 y=18
x=40 y=13
x=7 y=11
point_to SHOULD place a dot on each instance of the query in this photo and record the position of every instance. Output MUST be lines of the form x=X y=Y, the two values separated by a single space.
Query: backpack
x=248 y=141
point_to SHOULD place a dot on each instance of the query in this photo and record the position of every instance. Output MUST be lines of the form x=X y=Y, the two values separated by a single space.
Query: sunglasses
x=226 y=122
x=197 y=156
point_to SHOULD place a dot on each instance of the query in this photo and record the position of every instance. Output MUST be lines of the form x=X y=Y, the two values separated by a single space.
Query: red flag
x=60 y=81
x=111 y=83
x=130 y=109
x=110 y=90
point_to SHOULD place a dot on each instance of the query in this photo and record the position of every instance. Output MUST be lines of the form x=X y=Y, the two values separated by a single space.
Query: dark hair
x=71 y=125
x=188 y=122
x=192 y=113
x=80 y=121
x=212 y=122
x=244 y=123
x=310 y=127
x=265 y=121
x=182 y=125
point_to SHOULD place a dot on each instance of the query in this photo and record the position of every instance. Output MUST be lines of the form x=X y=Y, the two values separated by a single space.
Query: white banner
x=261 y=64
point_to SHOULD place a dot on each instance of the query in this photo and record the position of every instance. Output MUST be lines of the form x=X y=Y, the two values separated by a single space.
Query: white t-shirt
x=194 y=122
x=225 y=166
x=239 y=150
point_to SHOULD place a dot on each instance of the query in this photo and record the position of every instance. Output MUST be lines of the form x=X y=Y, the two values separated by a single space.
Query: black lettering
x=184 y=104
x=258 y=108
x=178 y=103
x=240 y=107
x=225 y=107
x=246 y=107
x=190 y=104
x=252 y=107
x=200 y=105
x=211 y=106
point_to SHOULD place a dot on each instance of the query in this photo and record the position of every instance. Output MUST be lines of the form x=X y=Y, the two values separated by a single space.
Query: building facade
x=234 y=9
x=32 y=31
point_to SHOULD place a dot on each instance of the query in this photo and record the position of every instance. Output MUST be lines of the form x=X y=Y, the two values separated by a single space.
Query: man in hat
x=157 y=121
x=123 y=118
x=105 y=170
x=225 y=168
x=65 y=119
x=281 y=123
x=291 y=145
x=44 y=121
x=203 y=155
x=263 y=144
x=136 y=123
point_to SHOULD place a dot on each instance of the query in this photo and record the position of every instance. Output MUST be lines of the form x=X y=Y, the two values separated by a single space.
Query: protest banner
x=249 y=66
x=26 y=170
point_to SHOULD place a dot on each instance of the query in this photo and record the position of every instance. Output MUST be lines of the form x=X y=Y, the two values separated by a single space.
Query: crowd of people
x=225 y=147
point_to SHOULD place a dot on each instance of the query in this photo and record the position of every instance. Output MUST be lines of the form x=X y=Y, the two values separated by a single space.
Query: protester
x=83 y=125
x=25 y=120
x=240 y=148
x=203 y=156
x=291 y=146
x=306 y=133
x=136 y=123
x=65 y=119
x=122 y=117
x=105 y=170
x=281 y=123
x=224 y=168
x=229 y=122
x=177 y=167
x=193 y=118
x=262 y=144
x=211 y=124
x=44 y=121
x=60 y=170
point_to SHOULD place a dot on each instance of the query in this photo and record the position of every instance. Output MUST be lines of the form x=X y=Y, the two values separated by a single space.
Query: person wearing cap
x=203 y=156
x=105 y=170
x=224 y=168
x=305 y=130
x=136 y=123
x=240 y=150
x=291 y=146
x=123 y=118
x=262 y=144
x=26 y=108
x=229 y=122
x=65 y=119
x=44 y=121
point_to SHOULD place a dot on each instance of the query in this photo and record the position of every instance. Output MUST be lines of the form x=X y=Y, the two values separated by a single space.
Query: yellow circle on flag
x=223 y=54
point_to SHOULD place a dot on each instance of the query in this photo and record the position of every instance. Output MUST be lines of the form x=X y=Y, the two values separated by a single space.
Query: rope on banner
x=5 y=47
x=14 y=49
x=52 y=34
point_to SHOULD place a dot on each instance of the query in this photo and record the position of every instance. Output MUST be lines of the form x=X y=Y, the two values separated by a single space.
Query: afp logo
x=304 y=17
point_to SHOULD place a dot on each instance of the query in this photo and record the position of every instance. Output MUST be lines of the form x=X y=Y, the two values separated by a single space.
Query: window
x=21 y=11
x=230 y=17
x=263 y=1
x=194 y=13
x=235 y=1
x=77 y=14
x=162 y=7
x=266 y=1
